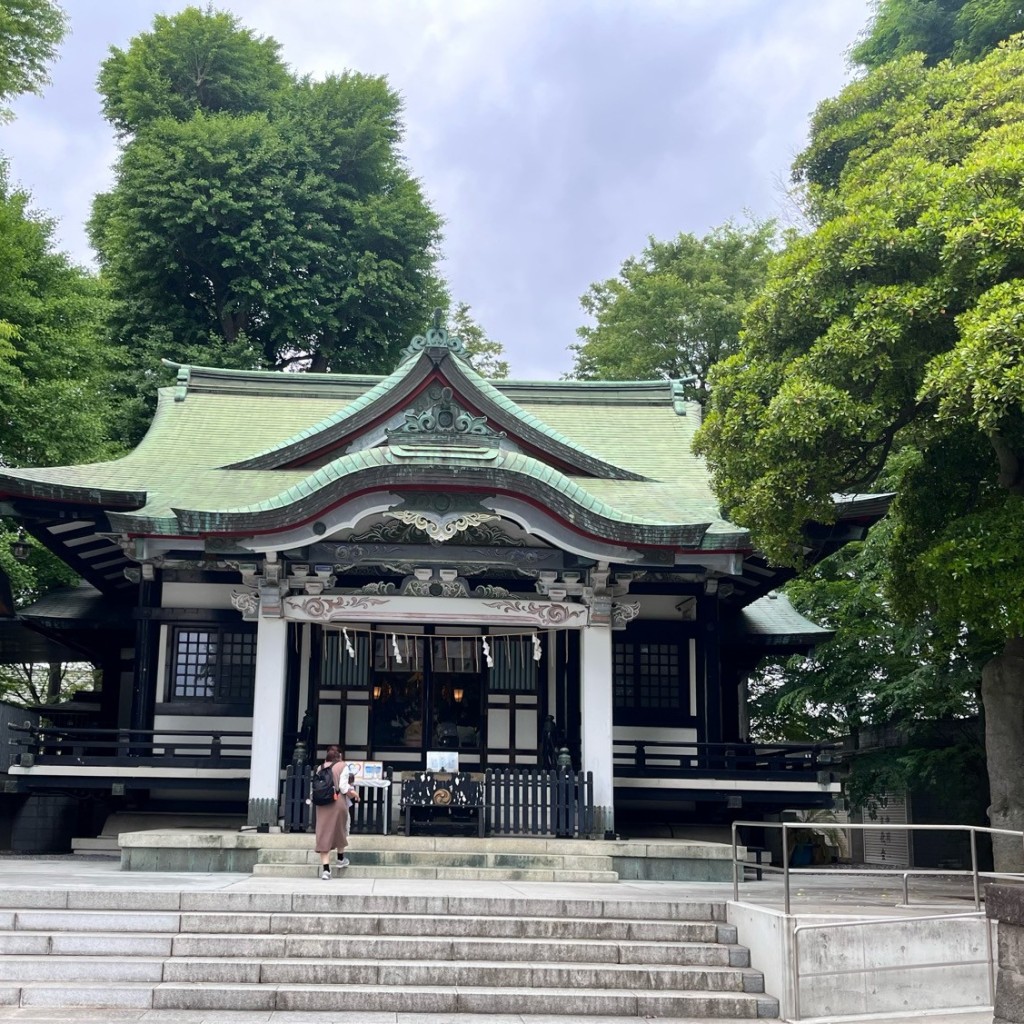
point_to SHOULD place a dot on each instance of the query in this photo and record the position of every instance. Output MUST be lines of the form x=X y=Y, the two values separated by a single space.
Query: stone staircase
x=330 y=950
x=522 y=860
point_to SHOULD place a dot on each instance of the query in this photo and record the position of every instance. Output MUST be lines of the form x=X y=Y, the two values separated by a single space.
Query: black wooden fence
x=516 y=802
x=537 y=801
x=371 y=815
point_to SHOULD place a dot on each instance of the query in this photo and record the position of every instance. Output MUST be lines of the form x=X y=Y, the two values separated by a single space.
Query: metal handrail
x=886 y=920
x=785 y=826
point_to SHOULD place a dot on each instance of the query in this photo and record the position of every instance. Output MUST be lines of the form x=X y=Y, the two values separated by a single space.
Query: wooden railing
x=679 y=758
x=537 y=801
x=371 y=815
x=162 y=748
x=512 y=801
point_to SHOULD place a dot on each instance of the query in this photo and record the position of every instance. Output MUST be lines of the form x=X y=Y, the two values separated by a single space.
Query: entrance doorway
x=427 y=694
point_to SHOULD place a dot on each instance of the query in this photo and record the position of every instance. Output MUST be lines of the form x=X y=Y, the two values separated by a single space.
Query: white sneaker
x=344 y=862
x=326 y=874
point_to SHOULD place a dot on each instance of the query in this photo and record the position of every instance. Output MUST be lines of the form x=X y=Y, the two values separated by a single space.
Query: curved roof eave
x=380 y=468
x=13 y=484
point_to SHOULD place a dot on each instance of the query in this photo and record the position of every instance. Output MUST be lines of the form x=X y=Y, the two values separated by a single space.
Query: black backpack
x=323 y=790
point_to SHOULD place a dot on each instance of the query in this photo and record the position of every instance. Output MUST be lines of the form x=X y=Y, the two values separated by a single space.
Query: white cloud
x=553 y=137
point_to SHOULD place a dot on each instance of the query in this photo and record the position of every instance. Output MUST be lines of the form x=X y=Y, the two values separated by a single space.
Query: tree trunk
x=1002 y=691
x=53 y=681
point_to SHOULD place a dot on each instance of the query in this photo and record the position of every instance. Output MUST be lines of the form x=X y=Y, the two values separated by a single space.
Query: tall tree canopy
x=54 y=366
x=258 y=220
x=30 y=32
x=195 y=60
x=675 y=310
x=55 y=372
x=896 y=326
x=940 y=29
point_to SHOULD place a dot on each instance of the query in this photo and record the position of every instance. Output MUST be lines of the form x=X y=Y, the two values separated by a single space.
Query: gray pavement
x=826 y=893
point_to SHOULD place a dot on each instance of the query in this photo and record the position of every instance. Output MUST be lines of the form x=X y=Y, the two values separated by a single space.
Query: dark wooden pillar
x=147 y=634
x=709 y=659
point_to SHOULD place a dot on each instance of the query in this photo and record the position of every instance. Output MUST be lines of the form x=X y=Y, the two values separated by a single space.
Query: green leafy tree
x=192 y=61
x=55 y=372
x=675 y=310
x=257 y=220
x=485 y=355
x=879 y=675
x=879 y=333
x=940 y=29
x=54 y=365
x=30 y=32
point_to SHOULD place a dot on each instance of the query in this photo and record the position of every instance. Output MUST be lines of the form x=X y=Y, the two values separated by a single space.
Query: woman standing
x=332 y=818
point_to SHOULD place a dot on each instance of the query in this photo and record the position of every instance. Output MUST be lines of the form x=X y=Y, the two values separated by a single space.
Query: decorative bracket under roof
x=440 y=527
x=436 y=337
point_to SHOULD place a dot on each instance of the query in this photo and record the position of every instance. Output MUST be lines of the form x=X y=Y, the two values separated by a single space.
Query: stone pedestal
x=1005 y=904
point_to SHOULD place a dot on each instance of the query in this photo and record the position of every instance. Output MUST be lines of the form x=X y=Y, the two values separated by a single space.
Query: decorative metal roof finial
x=435 y=337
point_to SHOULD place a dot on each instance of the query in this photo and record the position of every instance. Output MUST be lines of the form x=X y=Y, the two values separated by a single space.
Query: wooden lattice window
x=213 y=665
x=649 y=680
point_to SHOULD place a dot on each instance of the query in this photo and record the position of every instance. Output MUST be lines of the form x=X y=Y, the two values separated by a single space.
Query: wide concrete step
x=397 y=947
x=459 y=864
x=621 y=929
x=98 y=846
x=479 y=999
x=444 y=858
x=374 y=947
x=322 y=899
x=319 y=971
x=31 y=927
x=438 y=872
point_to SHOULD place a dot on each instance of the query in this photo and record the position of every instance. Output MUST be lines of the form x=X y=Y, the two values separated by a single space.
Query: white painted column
x=268 y=720
x=596 y=715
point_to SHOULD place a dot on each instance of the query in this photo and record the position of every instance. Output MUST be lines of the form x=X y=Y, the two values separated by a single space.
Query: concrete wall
x=885 y=966
x=1005 y=905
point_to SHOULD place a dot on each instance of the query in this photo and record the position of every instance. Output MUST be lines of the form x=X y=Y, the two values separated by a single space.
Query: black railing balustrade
x=111 y=748
x=502 y=801
x=679 y=758
x=370 y=815
x=538 y=801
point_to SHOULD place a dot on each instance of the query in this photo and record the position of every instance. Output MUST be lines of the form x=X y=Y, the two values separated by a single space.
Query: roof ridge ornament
x=444 y=420
x=435 y=337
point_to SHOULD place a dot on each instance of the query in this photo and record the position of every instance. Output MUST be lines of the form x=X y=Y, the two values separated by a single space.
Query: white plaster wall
x=193 y=723
x=232 y=746
x=526 y=729
x=357 y=726
x=197 y=595
x=498 y=732
x=659 y=734
x=898 y=965
x=664 y=606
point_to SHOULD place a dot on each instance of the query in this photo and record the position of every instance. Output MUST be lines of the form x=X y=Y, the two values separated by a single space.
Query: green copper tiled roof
x=179 y=478
x=773 y=621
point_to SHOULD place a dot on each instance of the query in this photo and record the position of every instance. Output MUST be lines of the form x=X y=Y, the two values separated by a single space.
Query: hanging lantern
x=21 y=548
x=457 y=694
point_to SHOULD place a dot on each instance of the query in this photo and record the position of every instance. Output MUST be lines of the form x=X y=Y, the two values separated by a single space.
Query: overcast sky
x=553 y=137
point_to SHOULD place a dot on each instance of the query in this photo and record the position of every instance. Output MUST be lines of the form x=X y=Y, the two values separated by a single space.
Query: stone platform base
x=398 y=856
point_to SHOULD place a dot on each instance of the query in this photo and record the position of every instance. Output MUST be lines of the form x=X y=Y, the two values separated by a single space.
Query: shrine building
x=425 y=561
